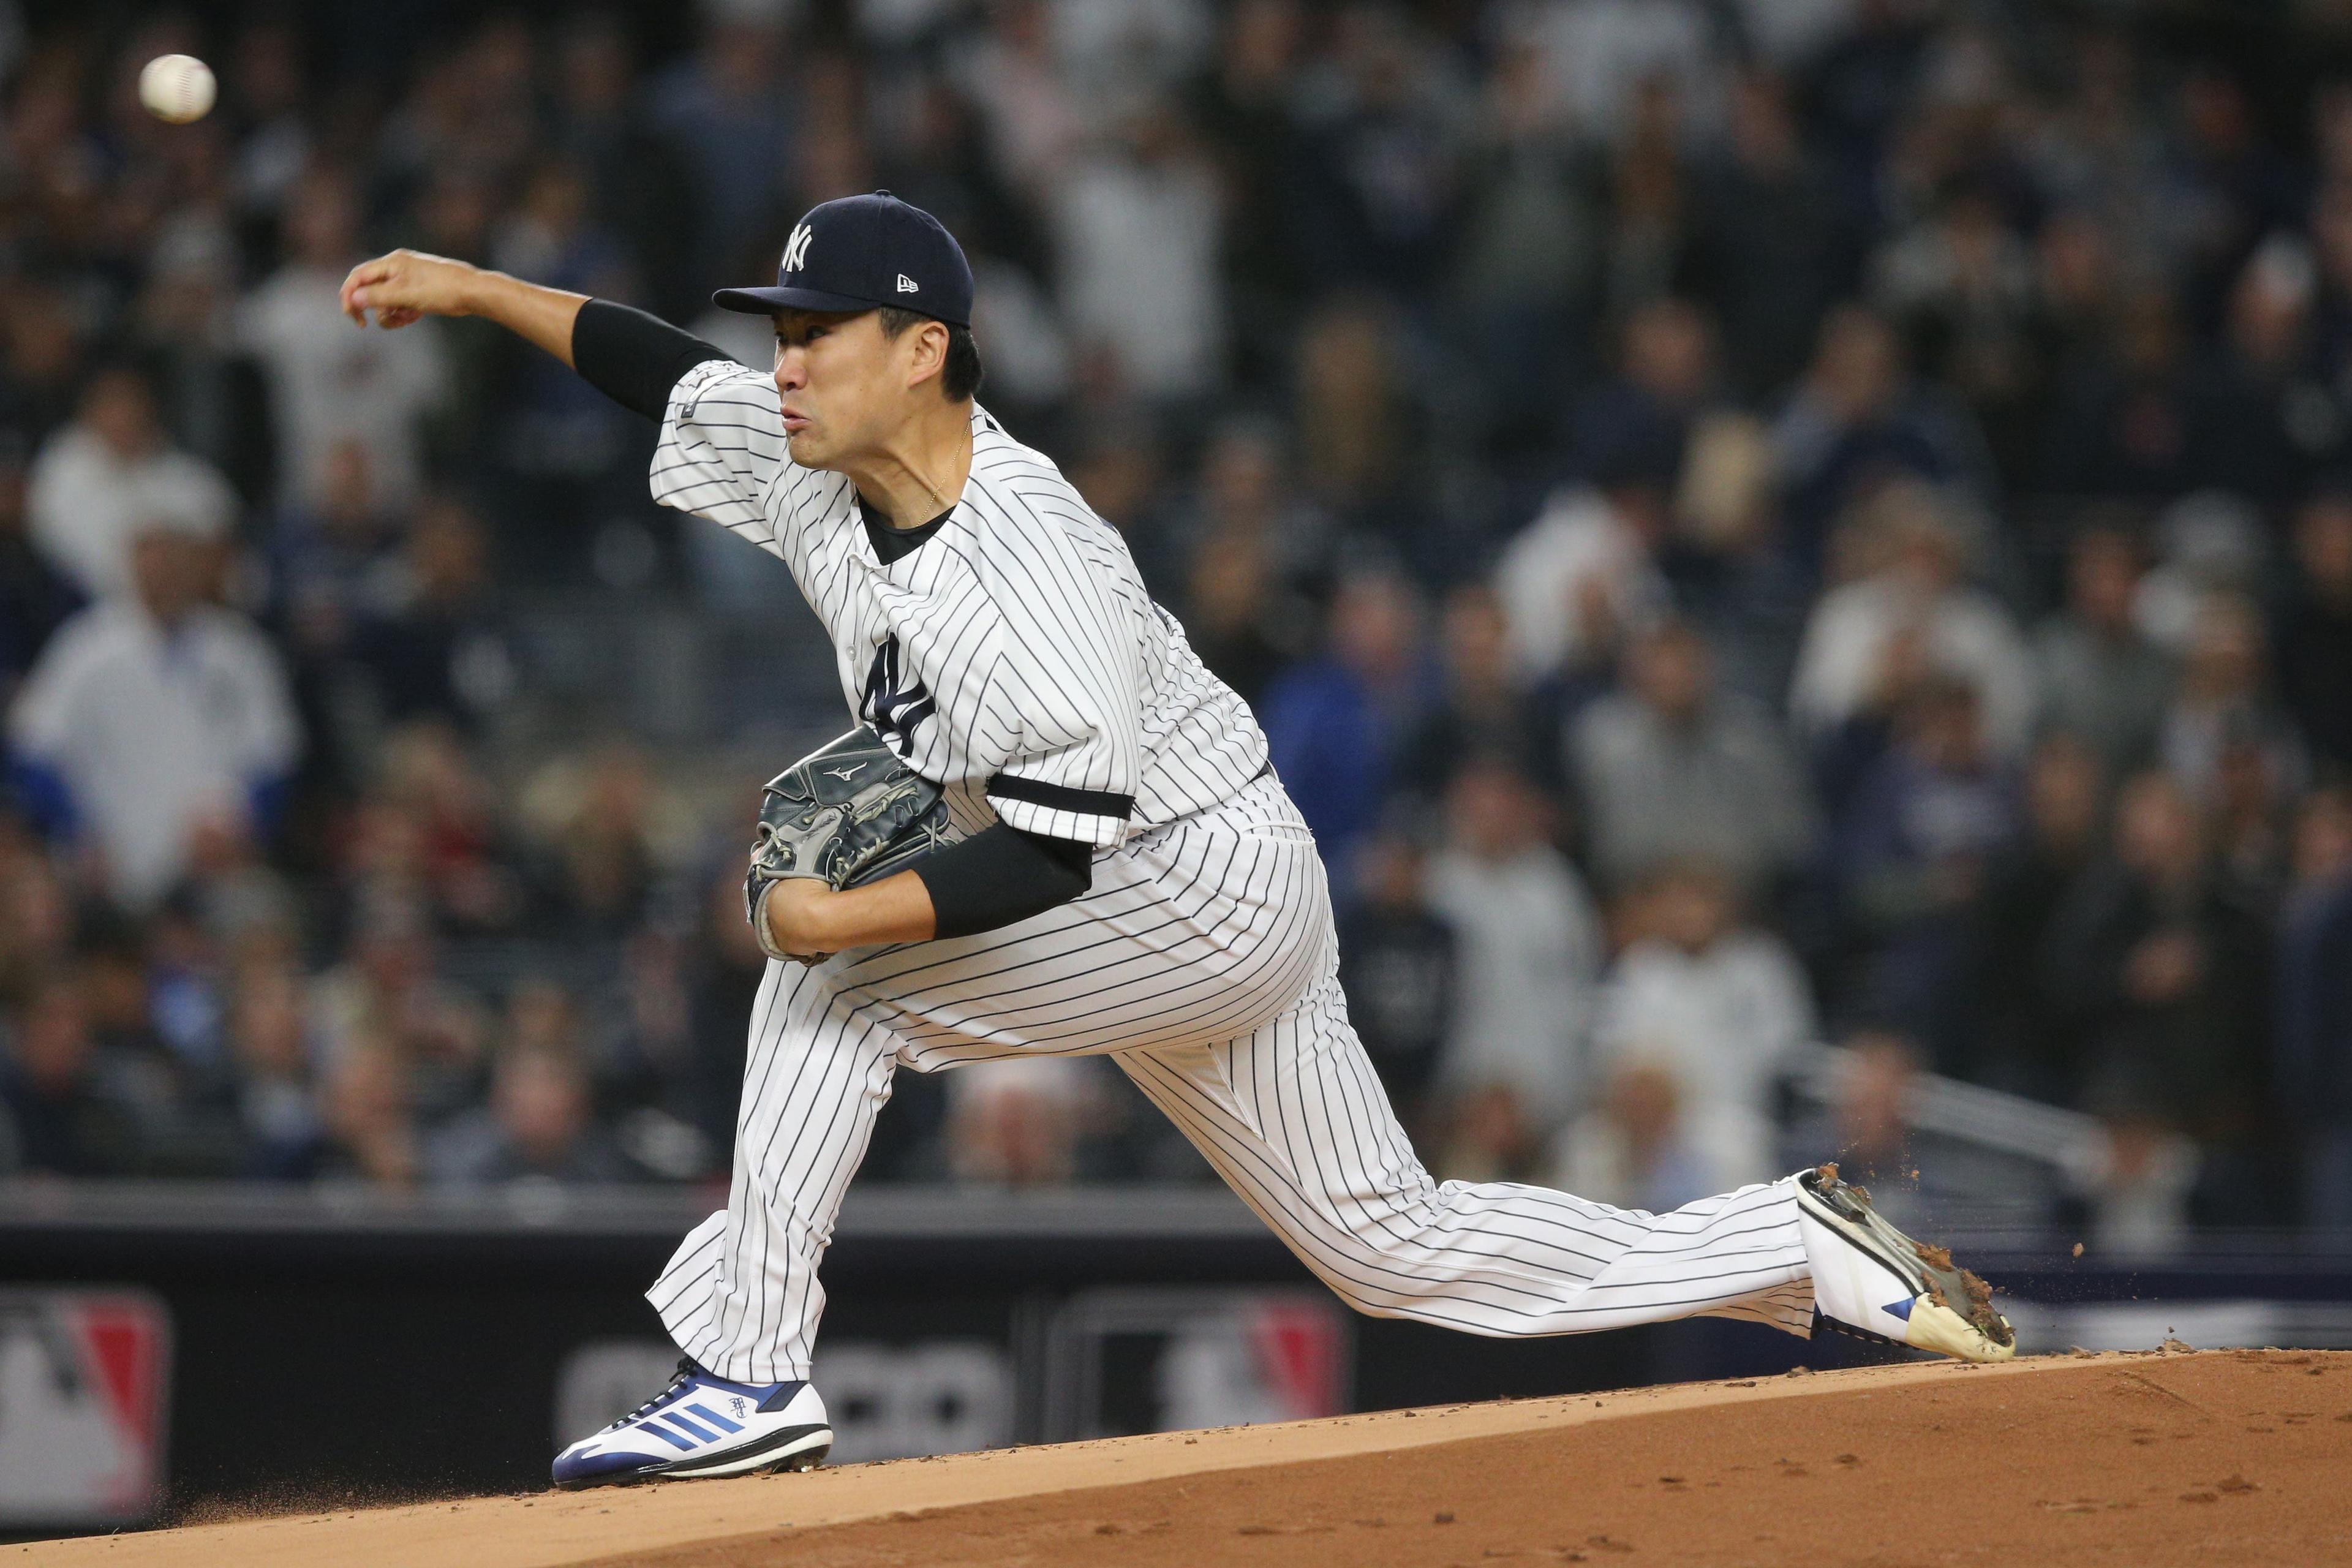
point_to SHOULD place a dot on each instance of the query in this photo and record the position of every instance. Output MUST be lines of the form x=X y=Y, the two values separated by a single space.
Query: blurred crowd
x=1747 y=522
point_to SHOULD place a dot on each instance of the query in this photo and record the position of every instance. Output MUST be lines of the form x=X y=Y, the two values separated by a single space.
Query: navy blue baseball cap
x=860 y=252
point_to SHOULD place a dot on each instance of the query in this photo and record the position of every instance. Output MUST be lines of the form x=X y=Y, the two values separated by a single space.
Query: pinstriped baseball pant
x=1203 y=962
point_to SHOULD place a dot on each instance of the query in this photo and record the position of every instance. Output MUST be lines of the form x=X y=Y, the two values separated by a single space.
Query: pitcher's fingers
x=365 y=273
x=398 y=315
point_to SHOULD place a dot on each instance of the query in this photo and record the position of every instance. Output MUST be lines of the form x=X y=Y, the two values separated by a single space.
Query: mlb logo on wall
x=1155 y=1359
x=83 y=1386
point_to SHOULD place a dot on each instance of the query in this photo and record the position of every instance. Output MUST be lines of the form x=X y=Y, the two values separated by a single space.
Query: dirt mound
x=2147 y=1459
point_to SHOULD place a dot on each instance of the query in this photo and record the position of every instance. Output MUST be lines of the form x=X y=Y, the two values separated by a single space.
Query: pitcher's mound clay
x=2146 y=1459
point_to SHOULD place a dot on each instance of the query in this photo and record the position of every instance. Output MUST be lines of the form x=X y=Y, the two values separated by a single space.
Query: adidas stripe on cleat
x=1871 y=1279
x=703 y=1426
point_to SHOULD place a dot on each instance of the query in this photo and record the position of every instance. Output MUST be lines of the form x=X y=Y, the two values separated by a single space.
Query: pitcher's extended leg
x=1294 y=1118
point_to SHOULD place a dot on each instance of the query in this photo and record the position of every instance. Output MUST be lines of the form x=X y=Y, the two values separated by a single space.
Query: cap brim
x=768 y=301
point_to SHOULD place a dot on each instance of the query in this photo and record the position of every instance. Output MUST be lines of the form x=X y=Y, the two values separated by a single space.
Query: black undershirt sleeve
x=634 y=358
x=1000 y=875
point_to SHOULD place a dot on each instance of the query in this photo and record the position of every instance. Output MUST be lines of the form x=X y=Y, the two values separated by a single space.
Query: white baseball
x=177 y=88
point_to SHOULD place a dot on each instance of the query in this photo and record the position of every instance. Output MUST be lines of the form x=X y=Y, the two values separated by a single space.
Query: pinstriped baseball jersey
x=1015 y=658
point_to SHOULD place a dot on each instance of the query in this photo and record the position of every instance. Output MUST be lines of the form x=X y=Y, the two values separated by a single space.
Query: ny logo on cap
x=796 y=250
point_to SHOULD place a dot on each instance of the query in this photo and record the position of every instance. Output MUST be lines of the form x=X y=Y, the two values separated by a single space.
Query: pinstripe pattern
x=1203 y=963
x=1024 y=617
x=1201 y=959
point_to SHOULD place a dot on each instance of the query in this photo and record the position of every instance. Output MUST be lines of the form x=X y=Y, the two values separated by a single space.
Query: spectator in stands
x=723 y=978
x=35 y=598
x=1702 y=992
x=274 y=1105
x=1234 y=615
x=431 y=790
x=2004 y=1027
x=1643 y=1145
x=1259 y=553
x=1243 y=108
x=1913 y=846
x=1631 y=429
x=2165 y=972
x=1584 y=576
x=1857 y=417
x=113 y=966
x=1525 y=275
x=2101 y=681
x=42 y=351
x=568 y=443
x=2315 y=999
x=1335 y=724
x=1400 y=964
x=1774 y=244
x=64 y=1110
x=1246 y=487
x=111 y=473
x=433 y=646
x=1669 y=768
x=334 y=559
x=36 y=909
x=2251 y=817
x=1530 y=954
x=1649 y=219
x=540 y=1122
x=370 y=1115
x=1912 y=544
x=1019 y=1123
x=388 y=990
x=2122 y=422
x=209 y=390
x=1116 y=463
x=151 y=717
x=642 y=186
x=327 y=384
x=2222 y=706
x=1354 y=410
x=2209 y=544
x=2131 y=1195
x=1034 y=120
x=1482 y=709
x=2314 y=635
x=1960 y=284
x=596 y=870
x=1135 y=229
x=2254 y=438
x=1872 y=1109
x=1490 y=1133
x=1374 y=193
x=728 y=106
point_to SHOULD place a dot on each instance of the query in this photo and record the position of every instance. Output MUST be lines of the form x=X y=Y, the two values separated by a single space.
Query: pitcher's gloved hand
x=850 y=813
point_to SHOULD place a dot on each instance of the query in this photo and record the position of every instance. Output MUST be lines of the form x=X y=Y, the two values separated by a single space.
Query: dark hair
x=959 y=377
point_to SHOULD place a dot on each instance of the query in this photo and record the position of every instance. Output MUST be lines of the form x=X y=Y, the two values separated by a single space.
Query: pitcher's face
x=843 y=385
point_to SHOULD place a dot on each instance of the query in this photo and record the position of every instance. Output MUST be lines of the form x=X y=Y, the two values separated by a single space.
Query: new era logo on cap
x=858 y=252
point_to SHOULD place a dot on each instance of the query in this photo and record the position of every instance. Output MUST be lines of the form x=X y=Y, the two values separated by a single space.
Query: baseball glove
x=848 y=813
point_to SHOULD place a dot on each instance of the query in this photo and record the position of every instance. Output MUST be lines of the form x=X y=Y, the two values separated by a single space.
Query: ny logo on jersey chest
x=893 y=703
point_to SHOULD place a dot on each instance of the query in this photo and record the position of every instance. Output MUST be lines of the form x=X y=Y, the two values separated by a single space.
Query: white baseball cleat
x=1871 y=1279
x=703 y=1426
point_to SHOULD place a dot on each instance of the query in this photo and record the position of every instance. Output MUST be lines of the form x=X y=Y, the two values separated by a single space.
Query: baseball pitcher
x=1054 y=831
